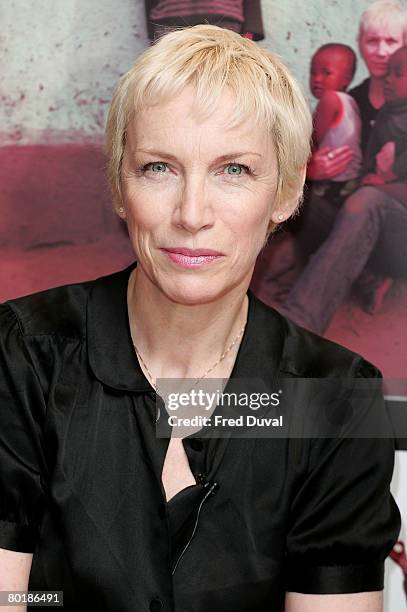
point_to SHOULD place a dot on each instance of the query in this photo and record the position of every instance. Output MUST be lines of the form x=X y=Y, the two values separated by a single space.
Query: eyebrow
x=387 y=37
x=219 y=159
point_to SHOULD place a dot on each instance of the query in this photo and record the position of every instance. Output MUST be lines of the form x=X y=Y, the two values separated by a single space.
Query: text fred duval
x=218 y=420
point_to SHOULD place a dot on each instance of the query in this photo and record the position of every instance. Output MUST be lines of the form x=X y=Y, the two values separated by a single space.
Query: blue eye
x=233 y=164
x=162 y=164
x=238 y=166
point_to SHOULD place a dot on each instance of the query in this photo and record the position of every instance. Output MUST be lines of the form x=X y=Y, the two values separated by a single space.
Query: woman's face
x=377 y=45
x=198 y=199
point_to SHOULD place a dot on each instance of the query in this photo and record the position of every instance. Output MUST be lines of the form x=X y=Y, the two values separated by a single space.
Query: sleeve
x=22 y=410
x=344 y=520
x=253 y=20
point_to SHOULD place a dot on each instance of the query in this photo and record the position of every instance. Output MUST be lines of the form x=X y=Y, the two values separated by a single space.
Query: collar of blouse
x=111 y=353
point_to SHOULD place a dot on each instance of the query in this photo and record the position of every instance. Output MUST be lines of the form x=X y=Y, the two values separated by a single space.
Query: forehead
x=386 y=30
x=333 y=57
x=176 y=124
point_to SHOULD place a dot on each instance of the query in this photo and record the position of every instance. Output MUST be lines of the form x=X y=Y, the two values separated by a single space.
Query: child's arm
x=385 y=162
x=326 y=162
x=372 y=179
x=386 y=167
x=327 y=112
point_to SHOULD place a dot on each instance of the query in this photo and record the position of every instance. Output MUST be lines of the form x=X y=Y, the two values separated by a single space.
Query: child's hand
x=385 y=160
x=373 y=179
x=326 y=162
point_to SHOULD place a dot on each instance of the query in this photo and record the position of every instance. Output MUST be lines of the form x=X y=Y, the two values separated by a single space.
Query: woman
x=343 y=235
x=118 y=518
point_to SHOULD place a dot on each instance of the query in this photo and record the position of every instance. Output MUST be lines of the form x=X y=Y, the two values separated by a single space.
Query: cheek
x=143 y=227
x=366 y=52
x=142 y=212
x=368 y=57
x=249 y=228
x=257 y=208
x=401 y=87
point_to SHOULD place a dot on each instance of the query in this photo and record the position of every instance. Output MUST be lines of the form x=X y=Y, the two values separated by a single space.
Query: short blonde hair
x=210 y=57
x=387 y=13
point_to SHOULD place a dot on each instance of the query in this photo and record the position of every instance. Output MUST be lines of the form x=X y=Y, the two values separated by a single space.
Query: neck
x=182 y=341
x=376 y=92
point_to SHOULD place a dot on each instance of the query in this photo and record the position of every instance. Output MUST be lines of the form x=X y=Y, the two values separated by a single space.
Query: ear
x=287 y=207
x=120 y=210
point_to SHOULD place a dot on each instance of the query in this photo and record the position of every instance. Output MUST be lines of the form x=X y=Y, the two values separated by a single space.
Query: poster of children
x=337 y=268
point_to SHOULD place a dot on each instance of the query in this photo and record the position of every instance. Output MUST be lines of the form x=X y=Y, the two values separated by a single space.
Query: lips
x=192 y=258
x=317 y=90
x=193 y=252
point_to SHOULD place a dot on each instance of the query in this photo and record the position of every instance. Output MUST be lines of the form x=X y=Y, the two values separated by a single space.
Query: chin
x=190 y=295
x=195 y=291
x=378 y=72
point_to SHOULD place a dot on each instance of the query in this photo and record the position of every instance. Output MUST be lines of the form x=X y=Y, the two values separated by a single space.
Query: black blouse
x=80 y=471
x=368 y=112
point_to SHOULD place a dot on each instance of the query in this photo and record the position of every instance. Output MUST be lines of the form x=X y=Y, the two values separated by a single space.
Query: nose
x=194 y=212
x=382 y=48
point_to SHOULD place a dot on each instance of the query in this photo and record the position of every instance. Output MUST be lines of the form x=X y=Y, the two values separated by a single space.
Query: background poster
x=60 y=61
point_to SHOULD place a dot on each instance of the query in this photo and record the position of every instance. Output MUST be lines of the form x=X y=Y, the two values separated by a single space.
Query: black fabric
x=335 y=579
x=80 y=471
x=390 y=125
x=317 y=218
x=253 y=20
x=368 y=112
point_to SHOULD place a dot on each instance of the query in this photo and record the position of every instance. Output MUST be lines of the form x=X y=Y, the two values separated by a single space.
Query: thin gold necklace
x=221 y=358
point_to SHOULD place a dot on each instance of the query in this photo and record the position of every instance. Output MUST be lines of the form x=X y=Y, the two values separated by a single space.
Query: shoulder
x=349 y=101
x=394 y=110
x=330 y=99
x=57 y=311
x=309 y=355
x=335 y=96
x=63 y=311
